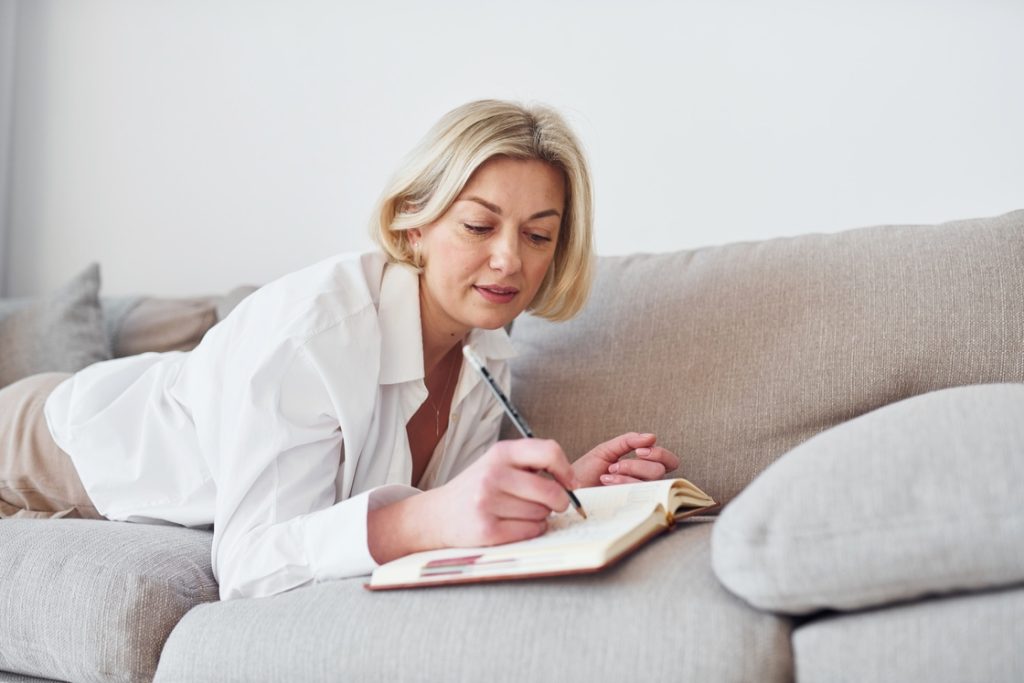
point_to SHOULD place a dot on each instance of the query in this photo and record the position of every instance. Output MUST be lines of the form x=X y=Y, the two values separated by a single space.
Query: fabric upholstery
x=958 y=639
x=919 y=497
x=142 y=324
x=86 y=600
x=115 y=310
x=63 y=331
x=19 y=678
x=165 y=324
x=659 y=615
x=733 y=355
x=227 y=303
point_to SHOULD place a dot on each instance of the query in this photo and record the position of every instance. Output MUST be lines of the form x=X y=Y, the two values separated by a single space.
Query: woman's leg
x=37 y=478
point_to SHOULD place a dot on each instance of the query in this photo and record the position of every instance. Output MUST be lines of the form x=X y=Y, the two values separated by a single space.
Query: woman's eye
x=476 y=229
x=538 y=239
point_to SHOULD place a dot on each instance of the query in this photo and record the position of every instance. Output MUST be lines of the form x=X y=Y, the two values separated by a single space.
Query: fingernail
x=613 y=467
x=647 y=436
x=606 y=478
x=643 y=452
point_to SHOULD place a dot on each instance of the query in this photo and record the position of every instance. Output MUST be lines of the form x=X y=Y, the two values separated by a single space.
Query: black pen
x=510 y=410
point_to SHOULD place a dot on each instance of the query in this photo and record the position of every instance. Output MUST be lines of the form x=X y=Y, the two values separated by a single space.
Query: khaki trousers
x=37 y=478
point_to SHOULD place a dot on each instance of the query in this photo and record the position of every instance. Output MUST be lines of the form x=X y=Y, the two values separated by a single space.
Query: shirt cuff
x=336 y=542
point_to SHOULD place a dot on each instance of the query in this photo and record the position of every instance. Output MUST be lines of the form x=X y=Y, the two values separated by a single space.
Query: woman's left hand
x=604 y=464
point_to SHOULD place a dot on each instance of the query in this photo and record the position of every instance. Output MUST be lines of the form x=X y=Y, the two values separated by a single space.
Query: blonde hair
x=433 y=175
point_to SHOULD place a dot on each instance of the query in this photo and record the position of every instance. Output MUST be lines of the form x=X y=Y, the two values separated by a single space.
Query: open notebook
x=619 y=520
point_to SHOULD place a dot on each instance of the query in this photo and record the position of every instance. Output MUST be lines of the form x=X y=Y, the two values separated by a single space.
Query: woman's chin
x=492 y=323
x=492 y=320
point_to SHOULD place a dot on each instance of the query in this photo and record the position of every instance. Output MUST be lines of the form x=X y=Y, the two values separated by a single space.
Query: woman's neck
x=440 y=335
x=435 y=352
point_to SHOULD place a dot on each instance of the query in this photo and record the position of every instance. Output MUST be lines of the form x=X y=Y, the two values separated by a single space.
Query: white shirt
x=282 y=428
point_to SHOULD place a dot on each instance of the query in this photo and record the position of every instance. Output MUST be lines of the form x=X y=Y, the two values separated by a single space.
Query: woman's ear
x=415 y=235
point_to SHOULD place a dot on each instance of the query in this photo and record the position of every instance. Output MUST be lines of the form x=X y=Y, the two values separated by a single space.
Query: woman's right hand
x=501 y=498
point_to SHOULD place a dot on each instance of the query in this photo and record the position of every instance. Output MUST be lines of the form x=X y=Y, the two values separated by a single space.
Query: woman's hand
x=501 y=498
x=604 y=464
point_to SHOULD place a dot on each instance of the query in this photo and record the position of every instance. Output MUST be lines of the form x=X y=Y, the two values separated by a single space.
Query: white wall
x=193 y=145
x=8 y=21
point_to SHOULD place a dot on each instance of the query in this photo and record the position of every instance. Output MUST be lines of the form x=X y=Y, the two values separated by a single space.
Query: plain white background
x=194 y=145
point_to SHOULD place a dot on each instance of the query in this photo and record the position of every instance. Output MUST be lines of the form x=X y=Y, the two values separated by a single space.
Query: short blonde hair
x=433 y=175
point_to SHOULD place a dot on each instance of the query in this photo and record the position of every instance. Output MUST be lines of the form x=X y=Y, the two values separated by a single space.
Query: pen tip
x=576 y=503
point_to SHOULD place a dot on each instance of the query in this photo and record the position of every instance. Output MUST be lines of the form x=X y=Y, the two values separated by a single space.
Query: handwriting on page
x=601 y=523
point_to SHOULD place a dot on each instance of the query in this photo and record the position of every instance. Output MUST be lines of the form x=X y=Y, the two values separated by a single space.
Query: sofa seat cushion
x=90 y=600
x=733 y=355
x=20 y=678
x=964 y=638
x=922 y=496
x=657 y=615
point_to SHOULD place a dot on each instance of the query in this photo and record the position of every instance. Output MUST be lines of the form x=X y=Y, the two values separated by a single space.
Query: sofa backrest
x=142 y=324
x=733 y=355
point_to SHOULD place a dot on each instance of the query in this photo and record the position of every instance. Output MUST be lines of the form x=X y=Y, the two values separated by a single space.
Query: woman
x=328 y=424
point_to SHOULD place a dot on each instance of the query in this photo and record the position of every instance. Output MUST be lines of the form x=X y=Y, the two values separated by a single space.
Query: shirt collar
x=492 y=344
x=401 y=334
x=401 y=357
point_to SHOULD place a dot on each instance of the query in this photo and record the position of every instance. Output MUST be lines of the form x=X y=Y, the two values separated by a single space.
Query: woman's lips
x=501 y=295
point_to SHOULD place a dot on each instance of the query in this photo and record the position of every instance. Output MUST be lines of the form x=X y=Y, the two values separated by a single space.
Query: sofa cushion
x=229 y=301
x=19 y=678
x=142 y=324
x=964 y=638
x=733 y=355
x=164 y=324
x=658 y=615
x=923 y=496
x=88 y=600
x=60 y=332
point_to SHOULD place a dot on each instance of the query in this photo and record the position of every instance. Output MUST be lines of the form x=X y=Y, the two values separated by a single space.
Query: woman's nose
x=505 y=254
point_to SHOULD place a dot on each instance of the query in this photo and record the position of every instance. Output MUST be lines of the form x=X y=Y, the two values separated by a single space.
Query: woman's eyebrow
x=497 y=209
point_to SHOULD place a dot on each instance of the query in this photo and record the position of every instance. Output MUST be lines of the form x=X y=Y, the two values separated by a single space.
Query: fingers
x=658 y=454
x=510 y=507
x=650 y=464
x=639 y=469
x=534 y=489
x=541 y=454
x=614 y=449
x=613 y=479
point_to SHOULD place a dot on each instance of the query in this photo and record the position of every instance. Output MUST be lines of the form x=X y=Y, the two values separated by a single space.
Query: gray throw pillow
x=60 y=332
x=919 y=497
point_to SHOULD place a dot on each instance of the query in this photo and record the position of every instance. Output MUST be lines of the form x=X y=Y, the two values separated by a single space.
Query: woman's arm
x=500 y=498
x=273 y=430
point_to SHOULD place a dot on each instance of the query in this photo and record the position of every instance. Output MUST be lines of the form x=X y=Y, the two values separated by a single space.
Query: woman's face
x=486 y=257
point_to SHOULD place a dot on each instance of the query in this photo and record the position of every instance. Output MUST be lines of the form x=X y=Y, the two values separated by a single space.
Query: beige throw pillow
x=919 y=497
x=165 y=324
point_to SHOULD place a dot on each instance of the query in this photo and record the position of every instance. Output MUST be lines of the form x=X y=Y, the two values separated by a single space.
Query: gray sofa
x=855 y=400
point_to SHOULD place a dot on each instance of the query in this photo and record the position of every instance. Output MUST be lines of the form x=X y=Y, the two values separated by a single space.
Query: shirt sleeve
x=276 y=523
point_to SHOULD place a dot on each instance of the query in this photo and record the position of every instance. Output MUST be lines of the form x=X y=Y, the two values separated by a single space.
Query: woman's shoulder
x=318 y=295
x=351 y=278
x=302 y=304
